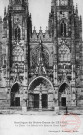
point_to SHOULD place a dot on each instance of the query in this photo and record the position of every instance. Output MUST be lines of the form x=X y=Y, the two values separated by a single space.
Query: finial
x=0 y=19
x=46 y=28
x=9 y=2
x=40 y=28
x=64 y=66
x=40 y=40
x=80 y=18
x=34 y=30
x=76 y=8
x=76 y=5
x=34 y=27
x=30 y=14
x=4 y=11
x=40 y=31
x=52 y=3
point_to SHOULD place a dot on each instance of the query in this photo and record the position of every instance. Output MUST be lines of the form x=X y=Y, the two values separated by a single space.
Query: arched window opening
x=64 y=54
x=18 y=54
x=17 y=33
x=15 y=99
x=63 y=28
x=63 y=87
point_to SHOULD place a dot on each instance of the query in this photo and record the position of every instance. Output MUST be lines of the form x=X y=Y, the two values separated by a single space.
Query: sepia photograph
x=41 y=67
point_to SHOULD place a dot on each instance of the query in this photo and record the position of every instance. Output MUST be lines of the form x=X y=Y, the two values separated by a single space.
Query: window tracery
x=35 y=57
x=18 y=56
x=17 y=33
x=64 y=54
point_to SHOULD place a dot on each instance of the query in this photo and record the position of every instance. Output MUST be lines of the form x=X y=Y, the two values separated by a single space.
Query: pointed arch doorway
x=64 y=95
x=15 y=99
x=40 y=95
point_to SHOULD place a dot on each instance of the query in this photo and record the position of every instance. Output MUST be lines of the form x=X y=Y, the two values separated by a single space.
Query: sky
x=40 y=10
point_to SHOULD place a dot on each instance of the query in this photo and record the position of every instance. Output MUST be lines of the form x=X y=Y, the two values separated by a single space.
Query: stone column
x=24 y=105
x=25 y=82
x=7 y=58
x=55 y=75
x=40 y=98
x=24 y=101
x=8 y=68
x=40 y=101
x=55 y=59
x=56 y=100
x=73 y=89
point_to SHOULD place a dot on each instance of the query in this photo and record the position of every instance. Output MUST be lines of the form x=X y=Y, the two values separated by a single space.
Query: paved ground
x=23 y=112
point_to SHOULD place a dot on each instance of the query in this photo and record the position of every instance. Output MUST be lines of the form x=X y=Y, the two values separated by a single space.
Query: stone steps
x=72 y=108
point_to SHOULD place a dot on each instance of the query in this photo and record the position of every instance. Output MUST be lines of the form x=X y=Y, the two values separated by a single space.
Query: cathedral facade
x=42 y=71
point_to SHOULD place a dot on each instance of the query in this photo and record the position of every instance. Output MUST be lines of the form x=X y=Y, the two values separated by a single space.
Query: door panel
x=44 y=101
x=17 y=101
x=36 y=100
x=63 y=101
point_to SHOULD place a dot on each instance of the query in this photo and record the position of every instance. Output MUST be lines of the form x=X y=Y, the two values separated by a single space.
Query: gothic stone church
x=42 y=71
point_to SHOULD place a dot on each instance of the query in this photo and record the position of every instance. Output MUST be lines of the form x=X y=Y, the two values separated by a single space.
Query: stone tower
x=17 y=28
x=65 y=26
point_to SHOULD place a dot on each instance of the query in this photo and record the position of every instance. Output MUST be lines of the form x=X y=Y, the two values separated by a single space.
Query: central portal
x=44 y=101
x=40 y=94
